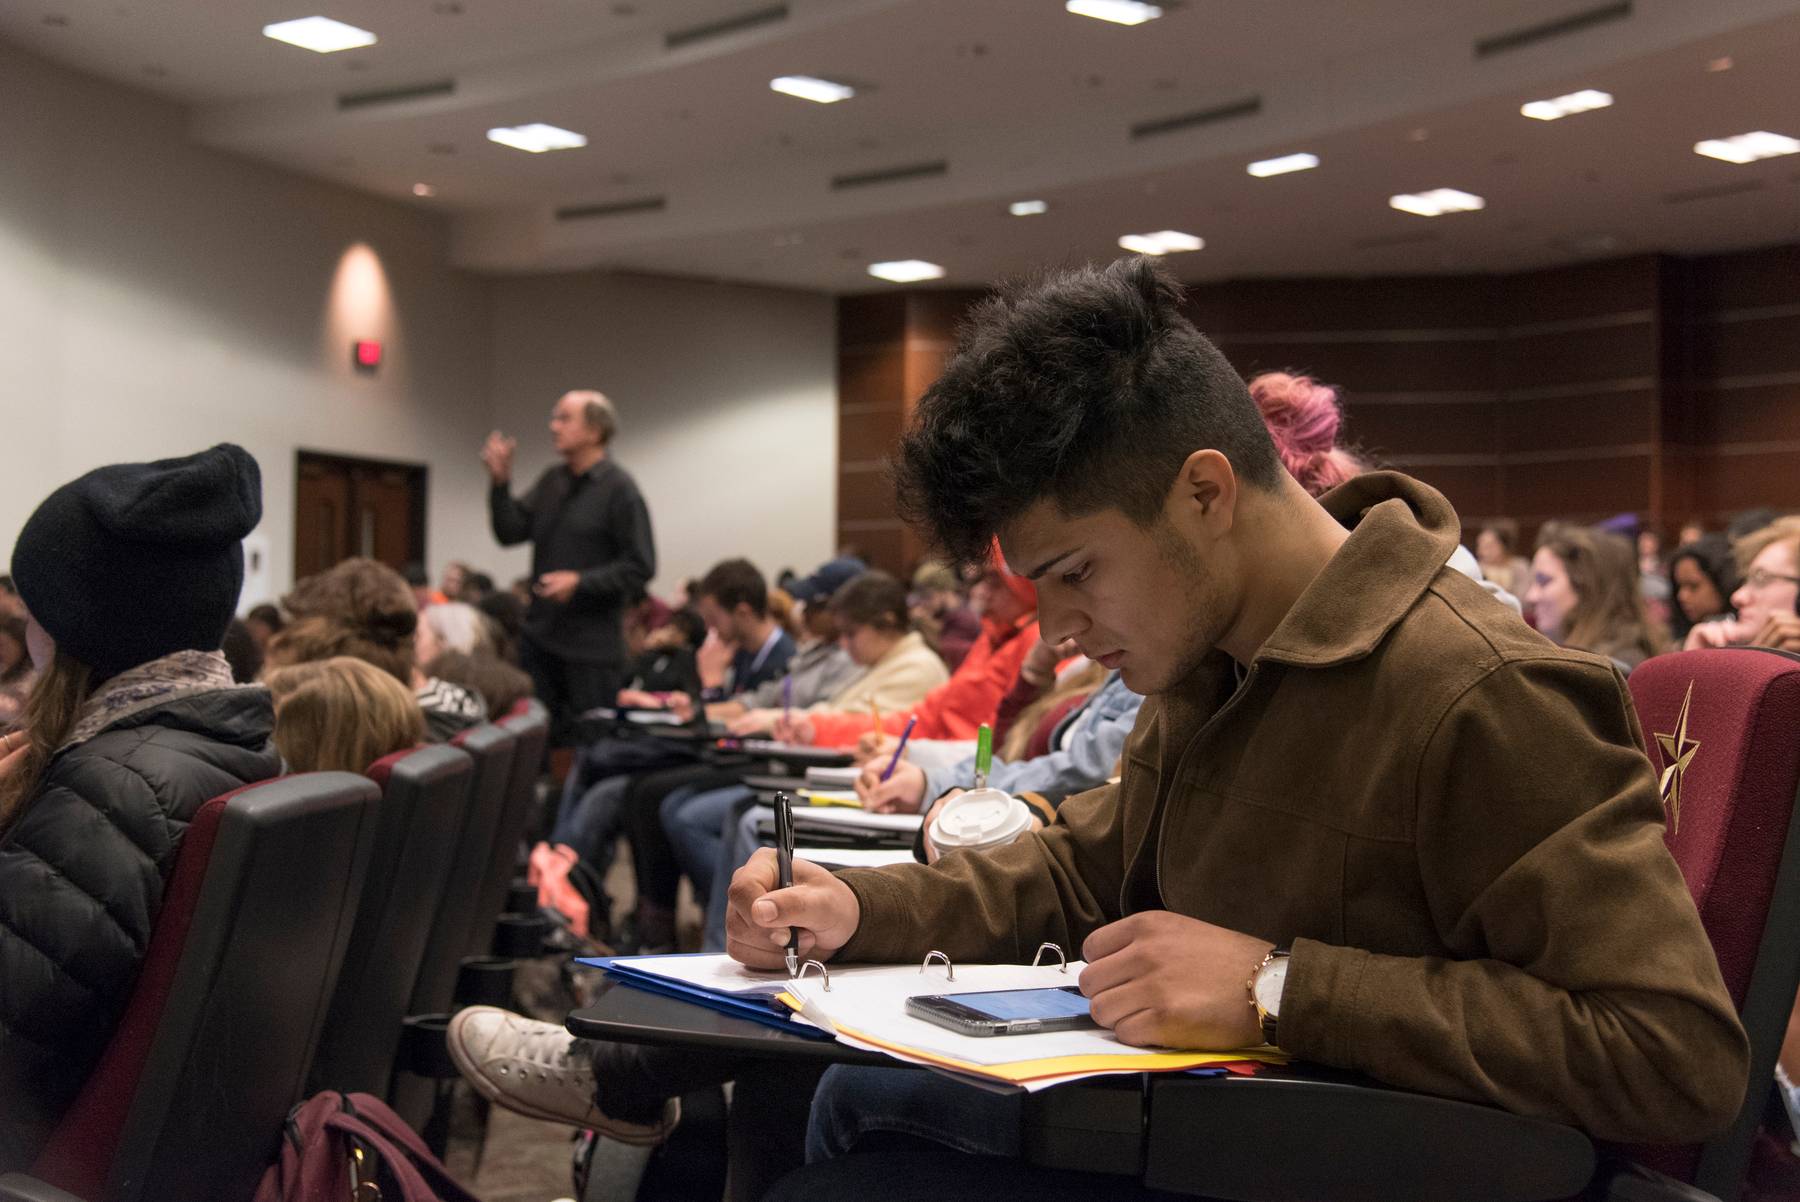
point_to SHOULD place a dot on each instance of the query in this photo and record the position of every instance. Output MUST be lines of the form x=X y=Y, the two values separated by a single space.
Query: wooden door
x=346 y=507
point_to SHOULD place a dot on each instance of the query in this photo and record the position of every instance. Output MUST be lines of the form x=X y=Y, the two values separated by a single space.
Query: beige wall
x=156 y=297
x=727 y=406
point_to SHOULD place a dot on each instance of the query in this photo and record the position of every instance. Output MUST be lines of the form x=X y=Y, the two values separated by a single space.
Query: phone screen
x=1008 y=1005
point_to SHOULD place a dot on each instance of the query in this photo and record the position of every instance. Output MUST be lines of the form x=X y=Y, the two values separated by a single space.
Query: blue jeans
x=852 y=1101
x=738 y=841
x=694 y=820
x=590 y=812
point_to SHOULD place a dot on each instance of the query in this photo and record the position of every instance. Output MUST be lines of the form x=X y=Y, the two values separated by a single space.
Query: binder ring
x=949 y=968
x=824 y=973
x=1062 y=961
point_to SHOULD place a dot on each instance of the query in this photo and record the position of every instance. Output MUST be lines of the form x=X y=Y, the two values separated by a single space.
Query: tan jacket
x=898 y=680
x=1451 y=821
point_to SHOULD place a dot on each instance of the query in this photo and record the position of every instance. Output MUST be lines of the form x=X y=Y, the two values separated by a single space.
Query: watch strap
x=1266 y=1019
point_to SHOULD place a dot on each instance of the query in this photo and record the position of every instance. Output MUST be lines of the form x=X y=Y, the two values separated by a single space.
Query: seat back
x=529 y=723
x=1723 y=728
x=212 y=1050
x=491 y=749
x=425 y=793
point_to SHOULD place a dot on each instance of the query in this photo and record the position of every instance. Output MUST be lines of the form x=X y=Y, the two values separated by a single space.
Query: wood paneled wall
x=891 y=347
x=1665 y=387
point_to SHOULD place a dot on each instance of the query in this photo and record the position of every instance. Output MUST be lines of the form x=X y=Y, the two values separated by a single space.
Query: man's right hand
x=497 y=453
x=713 y=659
x=876 y=745
x=797 y=730
x=759 y=915
x=901 y=793
x=753 y=722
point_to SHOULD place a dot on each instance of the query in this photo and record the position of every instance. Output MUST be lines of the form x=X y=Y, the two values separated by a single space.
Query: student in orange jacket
x=957 y=708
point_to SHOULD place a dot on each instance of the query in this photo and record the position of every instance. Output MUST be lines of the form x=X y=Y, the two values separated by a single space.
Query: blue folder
x=757 y=1007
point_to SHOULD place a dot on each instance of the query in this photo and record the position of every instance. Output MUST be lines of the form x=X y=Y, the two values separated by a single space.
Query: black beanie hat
x=136 y=560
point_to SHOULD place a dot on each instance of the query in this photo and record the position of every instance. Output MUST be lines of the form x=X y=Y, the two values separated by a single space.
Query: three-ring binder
x=1062 y=960
x=824 y=973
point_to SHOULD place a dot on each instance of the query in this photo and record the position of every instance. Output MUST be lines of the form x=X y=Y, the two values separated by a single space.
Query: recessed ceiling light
x=1263 y=168
x=536 y=137
x=819 y=91
x=906 y=271
x=424 y=190
x=1162 y=242
x=1747 y=148
x=1584 y=101
x=321 y=35
x=1119 y=12
x=1028 y=208
x=1722 y=63
x=1437 y=202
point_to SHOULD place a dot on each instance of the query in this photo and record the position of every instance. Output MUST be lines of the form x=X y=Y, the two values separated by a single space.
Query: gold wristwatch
x=1266 y=982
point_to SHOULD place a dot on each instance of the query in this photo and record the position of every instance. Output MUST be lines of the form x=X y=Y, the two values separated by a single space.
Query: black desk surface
x=626 y=1015
x=1291 y=1132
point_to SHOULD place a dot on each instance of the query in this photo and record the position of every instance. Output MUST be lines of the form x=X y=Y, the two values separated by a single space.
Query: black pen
x=784 y=869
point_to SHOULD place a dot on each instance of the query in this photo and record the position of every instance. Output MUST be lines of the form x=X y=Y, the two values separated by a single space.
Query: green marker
x=984 y=755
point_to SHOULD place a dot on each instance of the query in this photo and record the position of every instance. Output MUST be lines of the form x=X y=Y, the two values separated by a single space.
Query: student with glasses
x=1765 y=602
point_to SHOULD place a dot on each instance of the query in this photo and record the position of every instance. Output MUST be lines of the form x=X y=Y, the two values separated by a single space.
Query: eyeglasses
x=1762 y=578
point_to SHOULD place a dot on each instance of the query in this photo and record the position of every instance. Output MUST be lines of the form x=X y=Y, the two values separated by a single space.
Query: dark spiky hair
x=1084 y=386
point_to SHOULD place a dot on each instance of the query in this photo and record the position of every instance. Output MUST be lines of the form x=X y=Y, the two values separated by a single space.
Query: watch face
x=1269 y=983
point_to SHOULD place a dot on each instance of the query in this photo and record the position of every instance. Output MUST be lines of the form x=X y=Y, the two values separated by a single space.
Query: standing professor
x=591 y=556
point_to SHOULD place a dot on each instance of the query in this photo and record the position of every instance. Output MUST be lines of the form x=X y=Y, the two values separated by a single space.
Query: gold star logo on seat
x=1678 y=752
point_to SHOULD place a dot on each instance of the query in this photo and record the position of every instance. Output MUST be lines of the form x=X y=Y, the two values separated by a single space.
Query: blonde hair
x=1781 y=530
x=341 y=714
x=781 y=608
x=1018 y=739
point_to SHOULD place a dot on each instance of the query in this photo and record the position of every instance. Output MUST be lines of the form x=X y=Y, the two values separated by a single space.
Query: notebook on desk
x=716 y=982
x=864 y=1005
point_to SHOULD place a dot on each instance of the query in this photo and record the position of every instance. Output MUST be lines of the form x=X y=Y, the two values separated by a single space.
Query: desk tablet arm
x=17 y=1187
x=1318 y=1135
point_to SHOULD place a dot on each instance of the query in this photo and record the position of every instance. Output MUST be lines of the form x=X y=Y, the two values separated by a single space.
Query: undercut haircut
x=1087 y=387
x=736 y=582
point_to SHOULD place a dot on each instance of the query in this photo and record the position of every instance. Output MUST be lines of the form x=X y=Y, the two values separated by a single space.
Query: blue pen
x=901 y=749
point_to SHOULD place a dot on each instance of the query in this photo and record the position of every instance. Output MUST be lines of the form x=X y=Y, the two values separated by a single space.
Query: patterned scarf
x=180 y=674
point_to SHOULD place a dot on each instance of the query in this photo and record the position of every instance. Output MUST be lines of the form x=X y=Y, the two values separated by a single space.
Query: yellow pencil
x=875 y=713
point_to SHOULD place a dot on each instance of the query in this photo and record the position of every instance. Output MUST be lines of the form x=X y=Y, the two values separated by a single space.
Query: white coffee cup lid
x=980 y=818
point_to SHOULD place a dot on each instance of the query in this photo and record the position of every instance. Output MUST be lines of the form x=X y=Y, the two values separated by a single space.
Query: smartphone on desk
x=1005 y=1011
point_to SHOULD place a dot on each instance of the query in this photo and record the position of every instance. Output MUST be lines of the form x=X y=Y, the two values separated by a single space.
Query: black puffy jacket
x=81 y=879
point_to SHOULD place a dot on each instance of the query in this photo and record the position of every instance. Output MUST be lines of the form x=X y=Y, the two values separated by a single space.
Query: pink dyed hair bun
x=1303 y=417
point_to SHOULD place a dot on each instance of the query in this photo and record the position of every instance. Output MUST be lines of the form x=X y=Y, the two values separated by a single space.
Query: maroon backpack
x=335 y=1143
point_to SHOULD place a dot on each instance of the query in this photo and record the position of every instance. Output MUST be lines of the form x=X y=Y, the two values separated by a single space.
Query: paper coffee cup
x=980 y=818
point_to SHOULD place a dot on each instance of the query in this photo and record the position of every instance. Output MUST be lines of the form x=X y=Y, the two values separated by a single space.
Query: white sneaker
x=536 y=1069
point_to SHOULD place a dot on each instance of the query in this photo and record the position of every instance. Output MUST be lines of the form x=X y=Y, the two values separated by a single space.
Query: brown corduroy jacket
x=1451 y=821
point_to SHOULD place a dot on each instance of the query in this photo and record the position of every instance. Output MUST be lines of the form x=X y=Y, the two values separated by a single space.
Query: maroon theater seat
x=529 y=723
x=189 y=1098
x=1724 y=733
x=425 y=793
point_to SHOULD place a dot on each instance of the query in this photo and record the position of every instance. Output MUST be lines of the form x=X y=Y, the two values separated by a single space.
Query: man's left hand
x=1781 y=631
x=557 y=586
x=1159 y=979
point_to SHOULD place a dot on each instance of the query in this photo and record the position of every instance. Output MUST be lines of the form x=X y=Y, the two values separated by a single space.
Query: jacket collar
x=1401 y=534
x=149 y=686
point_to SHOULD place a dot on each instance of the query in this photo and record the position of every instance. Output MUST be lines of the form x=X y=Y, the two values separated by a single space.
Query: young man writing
x=1429 y=837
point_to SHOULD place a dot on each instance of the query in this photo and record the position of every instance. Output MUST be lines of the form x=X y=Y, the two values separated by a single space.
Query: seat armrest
x=1628 y=1181
x=17 y=1187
